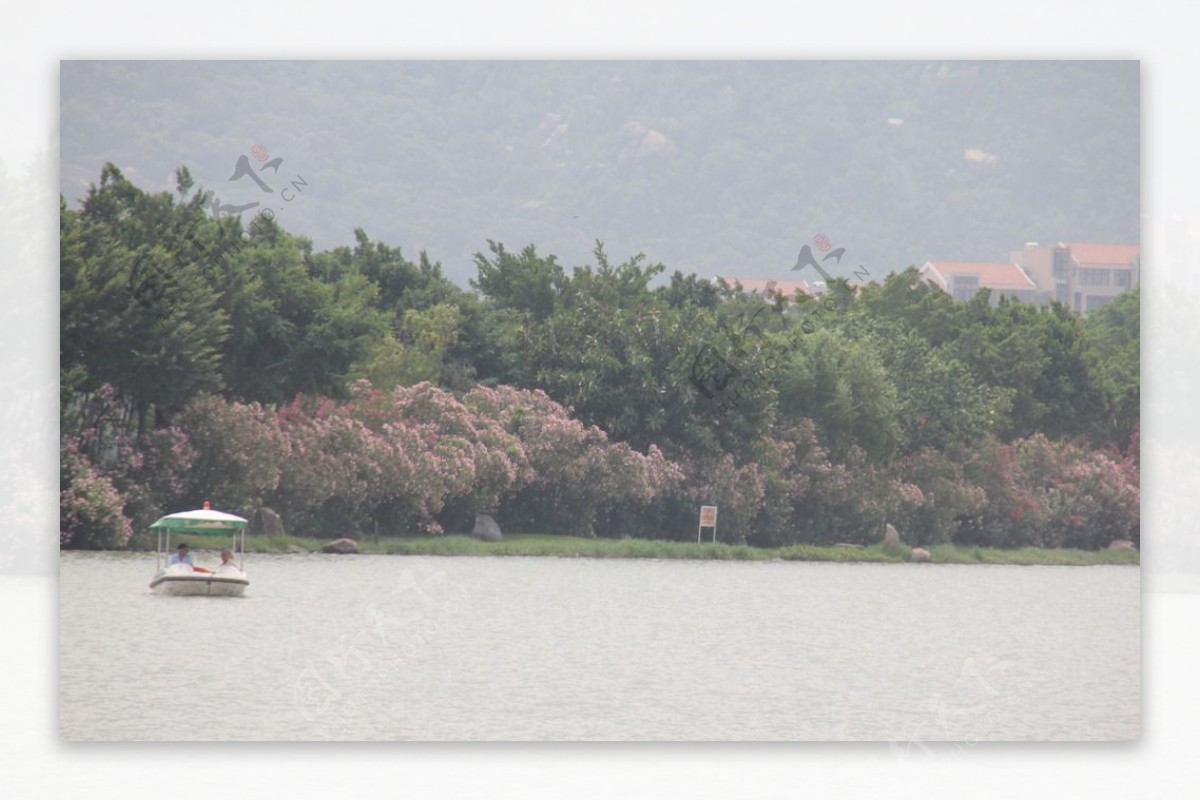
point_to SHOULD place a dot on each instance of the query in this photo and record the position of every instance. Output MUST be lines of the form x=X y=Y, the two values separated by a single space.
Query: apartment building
x=1081 y=275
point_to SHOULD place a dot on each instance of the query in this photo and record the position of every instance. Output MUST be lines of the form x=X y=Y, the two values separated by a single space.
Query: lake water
x=508 y=648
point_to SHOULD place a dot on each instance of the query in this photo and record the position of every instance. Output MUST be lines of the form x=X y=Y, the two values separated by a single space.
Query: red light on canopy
x=207 y=505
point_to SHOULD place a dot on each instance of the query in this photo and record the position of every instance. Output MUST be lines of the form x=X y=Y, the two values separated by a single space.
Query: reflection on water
x=505 y=648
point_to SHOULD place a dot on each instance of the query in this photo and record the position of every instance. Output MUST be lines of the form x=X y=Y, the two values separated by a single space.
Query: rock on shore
x=343 y=545
x=486 y=529
x=267 y=522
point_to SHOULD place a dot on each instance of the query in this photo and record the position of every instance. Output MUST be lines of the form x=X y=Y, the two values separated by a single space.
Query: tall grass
x=572 y=547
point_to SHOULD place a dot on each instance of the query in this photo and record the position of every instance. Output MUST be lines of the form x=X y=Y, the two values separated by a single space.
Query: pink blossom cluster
x=91 y=509
x=1032 y=491
x=576 y=475
x=1063 y=495
x=420 y=459
x=395 y=460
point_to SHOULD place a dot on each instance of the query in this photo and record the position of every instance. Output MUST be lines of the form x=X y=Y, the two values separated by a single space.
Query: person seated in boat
x=181 y=556
x=227 y=563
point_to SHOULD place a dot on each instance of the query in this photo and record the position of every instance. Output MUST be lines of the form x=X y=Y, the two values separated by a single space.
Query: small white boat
x=183 y=578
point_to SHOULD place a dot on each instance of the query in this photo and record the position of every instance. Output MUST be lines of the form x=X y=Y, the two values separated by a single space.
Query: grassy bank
x=551 y=545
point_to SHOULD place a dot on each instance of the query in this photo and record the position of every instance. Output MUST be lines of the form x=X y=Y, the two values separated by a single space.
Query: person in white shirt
x=227 y=563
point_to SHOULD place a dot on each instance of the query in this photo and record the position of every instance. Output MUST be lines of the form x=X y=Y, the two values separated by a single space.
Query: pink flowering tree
x=146 y=475
x=782 y=484
x=1015 y=515
x=737 y=490
x=1054 y=494
x=418 y=459
x=238 y=453
x=1090 y=497
x=948 y=501
x=154 y=479
x=478 y=459
x=634 y=491
x=394 y=461
x=91 y=510
x=565 y=457
x=574 y=477
x=334 y=467
x=846 y=501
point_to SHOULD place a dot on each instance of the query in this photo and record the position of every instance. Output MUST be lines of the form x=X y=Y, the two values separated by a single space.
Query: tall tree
x=139 y=308
x=1113 y=338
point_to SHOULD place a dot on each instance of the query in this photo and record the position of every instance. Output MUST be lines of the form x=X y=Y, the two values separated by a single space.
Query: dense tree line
x=355 y=390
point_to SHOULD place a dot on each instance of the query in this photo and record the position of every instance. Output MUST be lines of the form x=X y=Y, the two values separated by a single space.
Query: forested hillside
x=355 y=389
x=710 y=167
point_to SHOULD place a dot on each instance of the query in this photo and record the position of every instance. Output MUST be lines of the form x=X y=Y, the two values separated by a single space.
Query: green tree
x=298 y=331
x=138 y=305
x=1038 y=354
x=418 y=353
x=1112 y=333
x=522 y=281
x=941 y=402
x=842 y=386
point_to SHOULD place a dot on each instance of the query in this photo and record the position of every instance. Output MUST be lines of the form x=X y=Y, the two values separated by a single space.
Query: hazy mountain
x=706 y=166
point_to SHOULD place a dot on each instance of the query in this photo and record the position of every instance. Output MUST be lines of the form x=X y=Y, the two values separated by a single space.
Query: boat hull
x=210 y=584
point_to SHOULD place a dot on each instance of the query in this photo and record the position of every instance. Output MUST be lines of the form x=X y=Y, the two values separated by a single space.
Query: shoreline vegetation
x=354 y=390
x=586 y=547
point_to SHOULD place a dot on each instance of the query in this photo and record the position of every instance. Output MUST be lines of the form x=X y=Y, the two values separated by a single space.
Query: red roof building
x=1095 y=253
x=763 y=285
x=962 y=279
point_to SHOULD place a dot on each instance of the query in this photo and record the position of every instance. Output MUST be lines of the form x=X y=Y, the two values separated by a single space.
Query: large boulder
x=891 y=537
x=486 y=529
x=920 y=555
x=1120 y=545
x=343 y=545
x=266 y=522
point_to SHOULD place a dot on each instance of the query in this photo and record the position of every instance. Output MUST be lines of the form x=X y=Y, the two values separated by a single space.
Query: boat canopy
x=200 y=521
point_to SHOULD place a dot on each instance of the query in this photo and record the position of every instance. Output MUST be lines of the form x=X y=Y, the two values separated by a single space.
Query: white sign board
x=708 y=519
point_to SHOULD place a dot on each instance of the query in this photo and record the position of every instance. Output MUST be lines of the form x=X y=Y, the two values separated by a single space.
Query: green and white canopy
x=200 y=521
